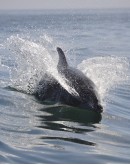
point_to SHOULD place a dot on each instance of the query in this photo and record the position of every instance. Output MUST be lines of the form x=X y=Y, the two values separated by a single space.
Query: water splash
x=106 y=72
x=33 y=61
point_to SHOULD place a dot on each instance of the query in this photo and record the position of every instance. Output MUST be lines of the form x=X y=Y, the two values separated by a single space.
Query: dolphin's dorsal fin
x=62 y=64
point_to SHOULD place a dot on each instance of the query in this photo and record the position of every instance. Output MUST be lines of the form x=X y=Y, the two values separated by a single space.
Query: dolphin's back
x=85 y=88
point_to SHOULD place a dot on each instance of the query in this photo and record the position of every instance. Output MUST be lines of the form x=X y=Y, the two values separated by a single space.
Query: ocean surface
x=95 y=41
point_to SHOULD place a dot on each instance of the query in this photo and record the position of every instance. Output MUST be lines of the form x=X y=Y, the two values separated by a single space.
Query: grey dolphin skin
x=49 y=89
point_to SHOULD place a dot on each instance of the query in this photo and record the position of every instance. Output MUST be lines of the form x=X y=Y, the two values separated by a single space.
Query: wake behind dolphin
x=49 y=89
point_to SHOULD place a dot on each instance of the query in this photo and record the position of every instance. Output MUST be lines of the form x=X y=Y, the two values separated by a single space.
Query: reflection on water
x=62 y=118
x=73 y=140
x=67 y=113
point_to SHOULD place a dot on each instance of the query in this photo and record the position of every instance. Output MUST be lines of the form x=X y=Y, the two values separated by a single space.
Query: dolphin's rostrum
x=49 y=89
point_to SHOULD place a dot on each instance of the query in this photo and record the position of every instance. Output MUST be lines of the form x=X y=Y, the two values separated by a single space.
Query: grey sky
x=60 y=4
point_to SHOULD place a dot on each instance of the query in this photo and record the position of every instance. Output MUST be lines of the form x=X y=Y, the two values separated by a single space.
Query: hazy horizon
x=62 y=4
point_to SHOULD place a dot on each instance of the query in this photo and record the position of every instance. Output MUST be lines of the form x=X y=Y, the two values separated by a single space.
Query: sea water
x=97 y=42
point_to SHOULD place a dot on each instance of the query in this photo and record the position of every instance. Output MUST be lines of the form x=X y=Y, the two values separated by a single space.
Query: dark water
x=95 y=41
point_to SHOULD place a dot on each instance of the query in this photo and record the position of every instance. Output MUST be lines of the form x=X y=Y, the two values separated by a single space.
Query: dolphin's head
x=92 y=104
x=98 y=107
x=90 y=99
x=94 y=101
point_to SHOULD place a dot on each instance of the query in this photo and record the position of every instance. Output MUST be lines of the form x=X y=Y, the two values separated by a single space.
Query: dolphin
x=49 y=89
